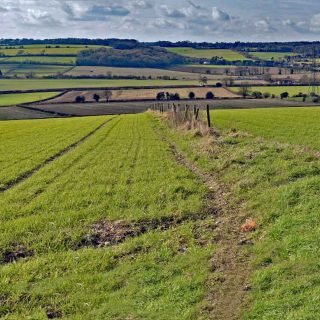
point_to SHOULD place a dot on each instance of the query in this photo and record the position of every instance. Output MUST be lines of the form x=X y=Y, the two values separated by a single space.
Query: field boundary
x=187 y=86
x=58 y=113
x=231 y=264
x=9 y=185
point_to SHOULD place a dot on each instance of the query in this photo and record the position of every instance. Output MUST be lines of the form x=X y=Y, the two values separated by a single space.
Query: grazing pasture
x=226 y=54
x=18 y=98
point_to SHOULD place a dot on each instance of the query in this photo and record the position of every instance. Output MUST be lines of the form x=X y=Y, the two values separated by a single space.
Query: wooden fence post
x=197 y=113
x=208 y=116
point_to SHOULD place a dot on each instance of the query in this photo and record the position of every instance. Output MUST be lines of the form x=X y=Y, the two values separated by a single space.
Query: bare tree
x=244 y=90
x=203 y=80
x=108 y=95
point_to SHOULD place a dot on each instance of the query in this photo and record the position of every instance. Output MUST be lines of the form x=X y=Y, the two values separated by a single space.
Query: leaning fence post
x=208 y=116
x=197 y=113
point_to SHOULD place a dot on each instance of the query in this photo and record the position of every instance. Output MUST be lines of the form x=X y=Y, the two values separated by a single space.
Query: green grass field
x=41 y=49
x=14 y=99
x=26 y=144
x=226 y=54
x=40 y=60
x=271 y=55
x=30 y=84
x=124 y=171
x=210 y=66
x=266 y=159
x=265 y=165
x=38 y=70
x=277 y=90
x=288 y=125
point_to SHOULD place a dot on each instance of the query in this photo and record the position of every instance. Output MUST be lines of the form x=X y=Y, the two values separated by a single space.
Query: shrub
x=209 y=95
x=96 y=97
x=192 y=95
x=80 y=99
x=161 y=96
x=284 y=95
x=257 y=94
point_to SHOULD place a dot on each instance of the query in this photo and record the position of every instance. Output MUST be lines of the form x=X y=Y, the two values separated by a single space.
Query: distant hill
x=140 y=57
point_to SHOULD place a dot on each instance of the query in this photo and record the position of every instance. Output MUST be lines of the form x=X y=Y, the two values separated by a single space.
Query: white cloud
x=172 y=13
x=315 y=23
x=219 y=15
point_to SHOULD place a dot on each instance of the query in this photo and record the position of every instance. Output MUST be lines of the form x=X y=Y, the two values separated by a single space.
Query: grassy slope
x=208 y=53
x=270 y=55
x=297 y=126
x=8 y=84
x=37 y=69
x=25 y=144
x=40 y=59
x=38 y=49
x=277 y=185
x=14 y=99
x=130 y=174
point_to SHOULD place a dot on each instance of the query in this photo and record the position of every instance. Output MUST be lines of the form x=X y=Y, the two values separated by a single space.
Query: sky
x=152 y=20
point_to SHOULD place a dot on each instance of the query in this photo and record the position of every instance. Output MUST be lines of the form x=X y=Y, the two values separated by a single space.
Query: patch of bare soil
x=16 y=253
x=108 y=233
x=230 y=264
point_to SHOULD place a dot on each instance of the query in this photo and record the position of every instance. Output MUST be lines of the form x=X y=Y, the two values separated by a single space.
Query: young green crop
x=14 y=99
x=26 y=144
x=124 y=171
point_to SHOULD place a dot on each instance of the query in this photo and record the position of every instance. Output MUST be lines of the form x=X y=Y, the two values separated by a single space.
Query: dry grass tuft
x=249 y=225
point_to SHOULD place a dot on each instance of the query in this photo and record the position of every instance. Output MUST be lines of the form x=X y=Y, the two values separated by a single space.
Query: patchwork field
x=143 y=94
x=34 y=84
x=226 y=54
x=14 y=99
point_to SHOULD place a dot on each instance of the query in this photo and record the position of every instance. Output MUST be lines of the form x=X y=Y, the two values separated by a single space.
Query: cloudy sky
x=150 y=20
